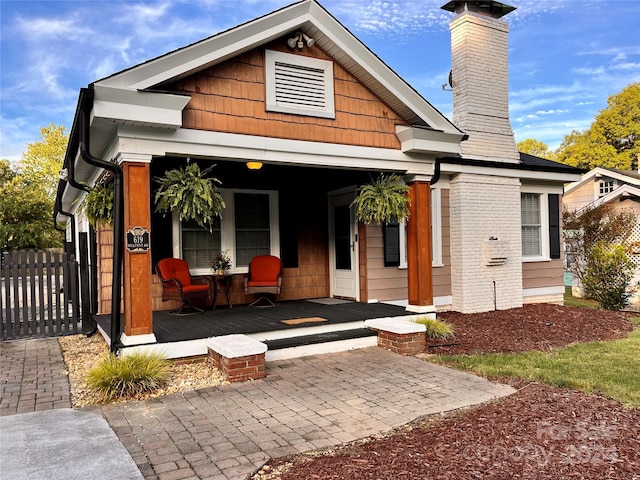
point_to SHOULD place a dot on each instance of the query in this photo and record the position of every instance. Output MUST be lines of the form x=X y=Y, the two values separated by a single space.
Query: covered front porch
x=292 y=328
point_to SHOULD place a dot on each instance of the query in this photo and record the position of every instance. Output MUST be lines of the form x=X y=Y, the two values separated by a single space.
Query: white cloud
x=38 y=29
x=626 y=66
x=551 y=112
x=589 y=70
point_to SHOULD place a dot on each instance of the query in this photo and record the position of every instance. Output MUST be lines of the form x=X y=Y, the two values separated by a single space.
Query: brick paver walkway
x=303 y=404
x=228 y=432
x=32 y=377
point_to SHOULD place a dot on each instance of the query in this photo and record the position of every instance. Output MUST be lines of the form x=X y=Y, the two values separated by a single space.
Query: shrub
x=607 y=276
x=121 y=377
x=436 y=328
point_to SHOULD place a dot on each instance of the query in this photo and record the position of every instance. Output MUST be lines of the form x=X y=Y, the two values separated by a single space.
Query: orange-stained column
x=420 y=279
x=137 y=273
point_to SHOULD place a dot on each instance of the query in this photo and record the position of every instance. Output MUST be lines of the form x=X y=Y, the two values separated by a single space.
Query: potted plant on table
x=221 y=264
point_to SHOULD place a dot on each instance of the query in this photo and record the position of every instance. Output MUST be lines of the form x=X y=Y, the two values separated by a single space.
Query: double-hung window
x=530 y=209
x=249 y=226
x=540 y=225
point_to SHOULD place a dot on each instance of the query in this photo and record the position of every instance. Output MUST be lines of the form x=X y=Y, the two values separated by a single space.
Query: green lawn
x=611 y=368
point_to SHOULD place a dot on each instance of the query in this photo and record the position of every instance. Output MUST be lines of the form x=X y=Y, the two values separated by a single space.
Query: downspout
x=436 y=173
x=118 y=215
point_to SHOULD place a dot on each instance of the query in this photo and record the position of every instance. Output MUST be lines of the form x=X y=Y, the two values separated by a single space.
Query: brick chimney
x=480 y=79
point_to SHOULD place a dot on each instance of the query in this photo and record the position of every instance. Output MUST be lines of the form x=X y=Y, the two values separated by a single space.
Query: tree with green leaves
x=536 y=148
x=28 y=193
x=592 y=236
x=612 y=140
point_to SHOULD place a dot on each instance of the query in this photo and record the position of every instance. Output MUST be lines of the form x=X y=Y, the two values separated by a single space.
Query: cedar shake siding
x=231 y=97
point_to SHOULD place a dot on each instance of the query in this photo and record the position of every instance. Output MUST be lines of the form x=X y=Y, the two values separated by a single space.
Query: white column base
x=133 y=340
x=428 y=311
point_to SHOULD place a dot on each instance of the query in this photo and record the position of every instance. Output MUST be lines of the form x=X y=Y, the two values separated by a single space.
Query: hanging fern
x=382 y=201
x=98 y=205
x=188 y=192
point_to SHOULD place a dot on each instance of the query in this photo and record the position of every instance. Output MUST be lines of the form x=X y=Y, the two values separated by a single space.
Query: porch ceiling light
x=254 y=165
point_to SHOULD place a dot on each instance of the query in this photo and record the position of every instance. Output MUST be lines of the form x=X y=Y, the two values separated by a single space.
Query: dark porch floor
x=244 y=319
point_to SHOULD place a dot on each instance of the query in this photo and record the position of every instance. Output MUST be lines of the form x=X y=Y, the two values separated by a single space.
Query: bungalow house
x=620 y=190
x=321 y=114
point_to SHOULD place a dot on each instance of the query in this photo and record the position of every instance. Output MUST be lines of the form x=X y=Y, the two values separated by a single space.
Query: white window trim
x=272 y=57
x=436 y=231
x=228 y=232
x=599 y=183
x=545 y=255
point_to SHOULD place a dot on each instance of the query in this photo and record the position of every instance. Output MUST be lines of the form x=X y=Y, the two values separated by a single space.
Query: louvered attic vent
x=299 y=85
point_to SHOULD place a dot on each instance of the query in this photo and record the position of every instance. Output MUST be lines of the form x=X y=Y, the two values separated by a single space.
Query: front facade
x=296 y=93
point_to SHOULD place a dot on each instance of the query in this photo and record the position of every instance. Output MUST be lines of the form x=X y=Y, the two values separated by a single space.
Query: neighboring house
x=322 y=118
x=620 y=189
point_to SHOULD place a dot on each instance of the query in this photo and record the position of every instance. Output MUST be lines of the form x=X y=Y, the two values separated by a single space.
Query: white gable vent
x=299 y=85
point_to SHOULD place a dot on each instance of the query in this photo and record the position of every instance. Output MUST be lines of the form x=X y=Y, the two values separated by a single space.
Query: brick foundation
x=238 y=357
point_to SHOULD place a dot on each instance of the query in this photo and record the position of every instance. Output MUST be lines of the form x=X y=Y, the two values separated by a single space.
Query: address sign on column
x=138 y=240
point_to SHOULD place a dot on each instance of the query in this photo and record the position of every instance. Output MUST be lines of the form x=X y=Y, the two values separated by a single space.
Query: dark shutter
x=554 y=225
x=391 y=239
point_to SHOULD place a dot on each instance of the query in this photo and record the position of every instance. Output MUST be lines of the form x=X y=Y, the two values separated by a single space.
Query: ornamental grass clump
x=436 y=329
x=125 y=377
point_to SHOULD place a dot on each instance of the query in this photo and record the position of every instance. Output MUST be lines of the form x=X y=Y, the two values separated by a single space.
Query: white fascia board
x=624 y=190
x=269 y=150
x=211 y=50
x=390 y=80
x=421 y=140
x=449 y=168
x=583 y=179
x=139 y=108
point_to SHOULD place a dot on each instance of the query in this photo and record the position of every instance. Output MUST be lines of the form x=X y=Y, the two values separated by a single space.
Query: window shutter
x=391 y=240
x=554 y=225
x=300 y=86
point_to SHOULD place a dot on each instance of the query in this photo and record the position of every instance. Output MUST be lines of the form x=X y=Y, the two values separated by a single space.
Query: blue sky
x=566 y=57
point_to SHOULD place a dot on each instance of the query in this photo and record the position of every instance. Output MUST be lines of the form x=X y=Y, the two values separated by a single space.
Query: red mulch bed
x=540 y=432
x=532 y=327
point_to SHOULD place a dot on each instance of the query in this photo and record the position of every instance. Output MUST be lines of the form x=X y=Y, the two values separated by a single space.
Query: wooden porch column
x=137 y=272
x=420 y=278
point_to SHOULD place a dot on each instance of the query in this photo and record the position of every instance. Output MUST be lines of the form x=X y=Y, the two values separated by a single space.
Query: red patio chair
x=179 y=284
x=265 y=276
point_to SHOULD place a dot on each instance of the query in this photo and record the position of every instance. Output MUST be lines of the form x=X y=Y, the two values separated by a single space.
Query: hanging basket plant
x=384 y=200
x=191 y=194
x=98 y=205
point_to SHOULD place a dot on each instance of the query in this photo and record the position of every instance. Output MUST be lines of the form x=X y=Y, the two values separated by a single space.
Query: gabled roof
x=308 y=16
x=625 y=176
